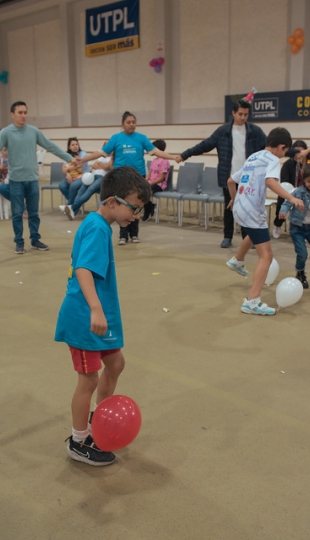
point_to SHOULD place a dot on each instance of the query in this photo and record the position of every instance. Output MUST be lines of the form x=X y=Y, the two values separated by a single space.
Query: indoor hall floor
x=223 y=453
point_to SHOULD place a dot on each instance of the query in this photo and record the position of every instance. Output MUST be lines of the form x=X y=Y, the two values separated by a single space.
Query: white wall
x=211 y=48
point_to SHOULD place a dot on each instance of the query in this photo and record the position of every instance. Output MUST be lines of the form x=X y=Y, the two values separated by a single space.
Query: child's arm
x=98 y=322
x=232 y=188
x=272 y=184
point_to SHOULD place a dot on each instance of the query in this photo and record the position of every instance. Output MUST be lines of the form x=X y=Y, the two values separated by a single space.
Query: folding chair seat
x=56 y=176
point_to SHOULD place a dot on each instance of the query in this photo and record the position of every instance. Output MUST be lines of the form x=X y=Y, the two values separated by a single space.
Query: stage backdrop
x=274 y=106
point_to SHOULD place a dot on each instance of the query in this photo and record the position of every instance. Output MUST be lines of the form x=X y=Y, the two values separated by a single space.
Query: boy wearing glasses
x=89 y=320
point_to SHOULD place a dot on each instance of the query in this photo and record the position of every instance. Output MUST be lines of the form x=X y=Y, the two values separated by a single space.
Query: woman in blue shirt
x=129 y=147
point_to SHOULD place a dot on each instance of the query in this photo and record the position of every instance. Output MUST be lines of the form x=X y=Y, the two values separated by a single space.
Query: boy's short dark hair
x=306 y=173
x=160 y=144
x=279 y=136
x=240 y=105
x=124 y=181
x=17 y=104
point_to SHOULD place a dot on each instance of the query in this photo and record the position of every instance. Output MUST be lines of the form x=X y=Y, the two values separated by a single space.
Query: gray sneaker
x=135 y=240
x=39 y=245
x=226 y=243
x=19 y=250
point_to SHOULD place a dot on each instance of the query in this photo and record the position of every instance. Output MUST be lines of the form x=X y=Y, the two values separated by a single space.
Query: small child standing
x=157 y=177
x=260 y=171
x=300 y=225
x=89 y=320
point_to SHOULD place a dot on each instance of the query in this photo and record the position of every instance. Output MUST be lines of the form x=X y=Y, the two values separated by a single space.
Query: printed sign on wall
x=290 y=106
x=112 y=28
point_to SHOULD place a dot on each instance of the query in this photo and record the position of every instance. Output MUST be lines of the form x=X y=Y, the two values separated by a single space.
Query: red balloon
x=116 y=422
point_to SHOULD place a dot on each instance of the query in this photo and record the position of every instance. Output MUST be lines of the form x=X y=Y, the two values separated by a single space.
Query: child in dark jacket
x=300 y=225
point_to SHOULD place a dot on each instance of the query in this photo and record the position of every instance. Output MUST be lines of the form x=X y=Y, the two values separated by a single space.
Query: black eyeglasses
x=135 y=209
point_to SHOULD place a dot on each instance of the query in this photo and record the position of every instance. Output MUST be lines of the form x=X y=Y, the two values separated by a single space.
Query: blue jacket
x=221 y=139
x=297 y=217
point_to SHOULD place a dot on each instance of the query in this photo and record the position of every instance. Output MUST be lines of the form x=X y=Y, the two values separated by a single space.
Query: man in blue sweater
x=234 y=142
x=20 y=141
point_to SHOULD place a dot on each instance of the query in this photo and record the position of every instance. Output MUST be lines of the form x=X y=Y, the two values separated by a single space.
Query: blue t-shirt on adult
x=93 y=250
x=129 y=150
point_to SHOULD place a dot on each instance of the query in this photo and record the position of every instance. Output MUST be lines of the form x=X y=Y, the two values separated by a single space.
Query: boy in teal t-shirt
x=89 y=320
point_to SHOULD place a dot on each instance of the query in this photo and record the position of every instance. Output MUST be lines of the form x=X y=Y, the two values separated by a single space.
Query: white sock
x=79 y=436
x=254 y=301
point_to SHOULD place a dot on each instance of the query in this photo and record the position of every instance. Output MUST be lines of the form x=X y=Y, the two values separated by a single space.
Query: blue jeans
x=299 y=236
x=69 y=191
x=86 y=192
x=5 y=191
x=21 y=192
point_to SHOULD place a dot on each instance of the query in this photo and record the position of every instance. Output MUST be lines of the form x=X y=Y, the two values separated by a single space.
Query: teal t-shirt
x=129 y=150
x=93 y=250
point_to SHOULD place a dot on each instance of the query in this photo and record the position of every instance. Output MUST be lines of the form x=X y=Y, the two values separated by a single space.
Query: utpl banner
x=112 y=28
x=287 y=106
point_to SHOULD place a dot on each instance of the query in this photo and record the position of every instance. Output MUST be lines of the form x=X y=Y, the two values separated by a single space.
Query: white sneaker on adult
x=62 y=208
x=276 y=232
x=69 y=212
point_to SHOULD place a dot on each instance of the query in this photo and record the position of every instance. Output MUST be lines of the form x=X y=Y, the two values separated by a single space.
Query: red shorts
x=89 y=361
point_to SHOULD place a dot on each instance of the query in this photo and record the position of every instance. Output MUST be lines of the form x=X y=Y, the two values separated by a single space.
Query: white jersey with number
x=249 y=207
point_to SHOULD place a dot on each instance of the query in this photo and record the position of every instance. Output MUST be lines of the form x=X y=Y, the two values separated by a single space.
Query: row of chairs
x=194 y=183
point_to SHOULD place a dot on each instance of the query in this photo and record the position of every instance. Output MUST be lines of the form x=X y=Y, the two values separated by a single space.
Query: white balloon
x=88 y=178
x=287 y=186
x=288 y=292
x=272 y=272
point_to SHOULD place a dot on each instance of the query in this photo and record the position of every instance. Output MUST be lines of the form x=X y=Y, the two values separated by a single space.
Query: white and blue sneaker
x=237 y=266
x=256 y=307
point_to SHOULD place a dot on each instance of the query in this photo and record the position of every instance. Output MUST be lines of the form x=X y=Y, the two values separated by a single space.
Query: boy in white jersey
x=259 y=172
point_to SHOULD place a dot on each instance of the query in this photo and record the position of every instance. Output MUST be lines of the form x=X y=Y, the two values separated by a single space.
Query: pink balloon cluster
x=156 y=63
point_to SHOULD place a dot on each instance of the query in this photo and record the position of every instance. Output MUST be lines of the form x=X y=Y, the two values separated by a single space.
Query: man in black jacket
x=235 y=142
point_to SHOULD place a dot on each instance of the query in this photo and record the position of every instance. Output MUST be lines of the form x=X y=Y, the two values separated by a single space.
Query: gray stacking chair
x=212 y=188
x=56 y=176
x=187 y=182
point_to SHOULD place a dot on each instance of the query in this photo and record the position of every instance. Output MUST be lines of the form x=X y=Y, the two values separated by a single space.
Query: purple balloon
x=157 y=69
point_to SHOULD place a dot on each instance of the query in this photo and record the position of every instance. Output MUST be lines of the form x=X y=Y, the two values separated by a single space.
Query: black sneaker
x=19 y=248
x=88 y=452
x=302 y=278
x=39 y=245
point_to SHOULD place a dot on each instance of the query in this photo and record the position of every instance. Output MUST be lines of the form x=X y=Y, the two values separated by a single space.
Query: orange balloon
x=300 y=41
x=291 y=39
x=294 y=48
x=298 y=32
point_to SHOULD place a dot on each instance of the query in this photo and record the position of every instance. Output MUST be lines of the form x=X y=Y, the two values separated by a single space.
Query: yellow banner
x=114 y=46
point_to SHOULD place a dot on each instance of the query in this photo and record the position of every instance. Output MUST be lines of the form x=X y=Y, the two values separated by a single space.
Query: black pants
x=229 y=218
x=149 y=206
x=129 y=231
x=278 y=222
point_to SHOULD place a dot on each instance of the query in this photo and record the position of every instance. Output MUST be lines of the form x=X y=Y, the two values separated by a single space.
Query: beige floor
x=223 y=453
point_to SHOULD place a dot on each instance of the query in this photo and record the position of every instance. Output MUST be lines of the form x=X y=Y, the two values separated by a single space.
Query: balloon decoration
x=249 y=98
x=156 y=63
x=272 y=272
x=287 y=186
x=288 y=292
x=88 y=178
x=296 y=40
x=116 y=422
x=4 y=77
